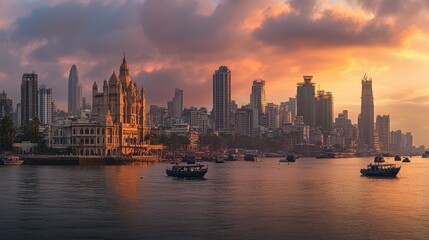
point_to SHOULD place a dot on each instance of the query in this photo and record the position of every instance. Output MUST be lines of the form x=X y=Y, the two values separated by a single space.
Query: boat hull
x=380 y=173
x=196 y=174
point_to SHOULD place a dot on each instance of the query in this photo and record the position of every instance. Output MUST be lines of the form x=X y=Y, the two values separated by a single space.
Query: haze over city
x=180 y=43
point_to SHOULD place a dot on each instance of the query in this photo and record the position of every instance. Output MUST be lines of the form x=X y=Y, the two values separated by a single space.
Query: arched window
x=86 y=131
x=81 y=131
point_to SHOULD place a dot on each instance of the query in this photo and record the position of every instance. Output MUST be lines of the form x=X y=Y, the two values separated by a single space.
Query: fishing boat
x=187 y=171
x=379 y=159
x=397 y=158
x=289 y=158
x=380 y=170
x=10 y=159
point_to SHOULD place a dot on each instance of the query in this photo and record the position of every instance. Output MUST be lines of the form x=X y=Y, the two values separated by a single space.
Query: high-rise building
x=367 y=114
x=257 y=97
x=306 y=102
x=222 y=98
x=324 y=110
x=383 y=130
x=272 y=113
x=175 y=106
x=198 y=119
x=74 y=92
x=6 y=105
x=244 y=121
x=45 y=105
x=29 y=97
x=285 y=115
x=292 y=107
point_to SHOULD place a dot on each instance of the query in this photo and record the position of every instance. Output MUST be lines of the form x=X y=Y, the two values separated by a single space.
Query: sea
x=308 y=199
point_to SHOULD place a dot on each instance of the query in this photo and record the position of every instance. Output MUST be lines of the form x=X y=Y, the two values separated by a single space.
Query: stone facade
x=116 y=126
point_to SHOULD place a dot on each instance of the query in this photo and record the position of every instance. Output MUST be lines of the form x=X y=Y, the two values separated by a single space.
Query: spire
x=123 y=60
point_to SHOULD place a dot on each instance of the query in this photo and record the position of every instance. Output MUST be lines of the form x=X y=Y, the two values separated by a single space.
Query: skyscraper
x=29 y=97
x=257 y=97
x=272 y=113
x=367 y=114
x=383 y=129
x=175 y=106
x=6 y=105
x=292 y=107
x=45 y=105
x=305 y=98
x=324 y=110
x=222 y=98
x=74 y=92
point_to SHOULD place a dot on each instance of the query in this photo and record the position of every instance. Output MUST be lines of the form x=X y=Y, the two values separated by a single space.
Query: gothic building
x=116 y=125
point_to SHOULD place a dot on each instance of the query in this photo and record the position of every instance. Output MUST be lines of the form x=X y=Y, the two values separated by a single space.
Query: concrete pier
x=87 y=160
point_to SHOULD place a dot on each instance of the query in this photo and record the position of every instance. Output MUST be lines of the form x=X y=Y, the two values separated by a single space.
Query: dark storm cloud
x=301 y=29
x=71 y=27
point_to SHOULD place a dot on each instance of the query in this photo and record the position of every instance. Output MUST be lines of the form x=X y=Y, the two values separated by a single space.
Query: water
x=308 y=199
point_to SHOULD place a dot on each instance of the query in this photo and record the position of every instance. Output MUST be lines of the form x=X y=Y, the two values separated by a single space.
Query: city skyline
x=30 y=41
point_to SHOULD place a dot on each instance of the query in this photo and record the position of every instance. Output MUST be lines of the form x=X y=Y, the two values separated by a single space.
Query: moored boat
x=187 y=171
x=425 y=155
x=289 y=158
x=379 y=159
x=397 y=158
x=406 y=160
x=10 y=159
x=252 y=157
x=380 y=170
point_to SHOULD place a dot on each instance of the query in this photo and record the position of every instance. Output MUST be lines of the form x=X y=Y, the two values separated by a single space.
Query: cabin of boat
x=379 y=159
x=382 y=170
x=195 y=171
x=10 y=159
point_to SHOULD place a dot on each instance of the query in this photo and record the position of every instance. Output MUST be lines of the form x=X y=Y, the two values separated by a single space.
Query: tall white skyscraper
x=74 y=92
x=45 y=105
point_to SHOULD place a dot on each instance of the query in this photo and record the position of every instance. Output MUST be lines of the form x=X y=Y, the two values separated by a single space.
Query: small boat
x=219 y=160
x=379 y=159
x=380 y=170
x=10 y=159
x=425 y=155
x=187 y=171
x=289 y=158
x=406 y=159
x=397 y=158
x=252 y=157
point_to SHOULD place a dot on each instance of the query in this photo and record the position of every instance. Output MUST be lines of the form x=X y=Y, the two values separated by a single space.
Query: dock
x=87 y=160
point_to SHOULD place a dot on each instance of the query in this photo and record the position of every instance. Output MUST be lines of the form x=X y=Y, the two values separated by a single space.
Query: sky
x=178 y=44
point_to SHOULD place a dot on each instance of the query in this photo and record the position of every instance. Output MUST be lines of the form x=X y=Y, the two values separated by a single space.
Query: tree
x=30 y=132
x=7 y=134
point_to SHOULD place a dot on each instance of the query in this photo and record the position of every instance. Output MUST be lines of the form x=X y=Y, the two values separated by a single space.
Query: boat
x=187 y=171
x=406 y=159
x=252 y=157
x=10 y=159
x=380 y=170
x=425 y=155
x=289 y=158
x=379 y=159
x=397 y=158
x=219 y=159
x=189 y=159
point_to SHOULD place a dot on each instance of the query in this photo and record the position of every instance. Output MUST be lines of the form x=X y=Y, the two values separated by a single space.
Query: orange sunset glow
x=178 y=44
